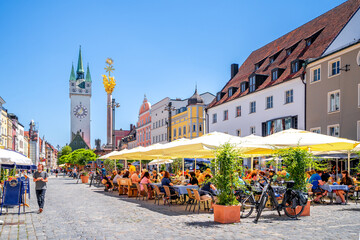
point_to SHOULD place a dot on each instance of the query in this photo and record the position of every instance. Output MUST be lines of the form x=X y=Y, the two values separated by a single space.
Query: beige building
x=4 y=129
x=333 y=93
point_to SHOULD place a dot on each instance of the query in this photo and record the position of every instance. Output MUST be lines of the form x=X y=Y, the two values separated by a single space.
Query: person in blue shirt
x=316 y=182
x=165 y=181
x=103 y=171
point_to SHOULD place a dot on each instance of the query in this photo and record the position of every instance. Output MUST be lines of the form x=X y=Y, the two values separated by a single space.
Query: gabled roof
x=78 y=142
x=325 y=28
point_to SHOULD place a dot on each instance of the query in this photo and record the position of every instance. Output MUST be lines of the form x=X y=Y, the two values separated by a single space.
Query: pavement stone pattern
x=77 y=211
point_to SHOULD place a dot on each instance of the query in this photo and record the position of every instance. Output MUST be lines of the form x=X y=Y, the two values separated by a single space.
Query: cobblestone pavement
x=76 y=211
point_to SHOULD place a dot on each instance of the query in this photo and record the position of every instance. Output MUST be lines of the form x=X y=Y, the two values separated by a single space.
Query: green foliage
x=64 y=154
x=226 y=163
x=162 y=167
x=109 y=165
x=297 y=160
x=80 y=157
x=176 y=165
x=119 y=166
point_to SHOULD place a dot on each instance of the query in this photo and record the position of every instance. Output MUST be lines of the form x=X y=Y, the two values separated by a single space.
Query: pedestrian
x=40 y=179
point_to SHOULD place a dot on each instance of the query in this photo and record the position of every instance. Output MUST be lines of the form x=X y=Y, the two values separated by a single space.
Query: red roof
x=328 y=25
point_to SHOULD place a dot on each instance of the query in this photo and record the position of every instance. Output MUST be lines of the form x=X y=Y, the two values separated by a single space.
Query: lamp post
x=113 y=106
x=169 y=108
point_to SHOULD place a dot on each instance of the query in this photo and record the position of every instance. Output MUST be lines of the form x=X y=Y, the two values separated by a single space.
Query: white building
x=160 y=115
x=2 y=101
x=267 y=94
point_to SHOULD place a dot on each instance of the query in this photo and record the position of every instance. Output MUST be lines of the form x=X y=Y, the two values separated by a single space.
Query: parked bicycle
x=293 y=202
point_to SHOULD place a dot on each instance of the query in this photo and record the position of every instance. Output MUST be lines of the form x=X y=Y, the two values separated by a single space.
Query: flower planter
x=306 y=211
x=226 y=214
x=84 y=179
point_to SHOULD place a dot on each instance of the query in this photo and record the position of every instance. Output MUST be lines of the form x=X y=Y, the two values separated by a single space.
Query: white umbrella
x=11 y=157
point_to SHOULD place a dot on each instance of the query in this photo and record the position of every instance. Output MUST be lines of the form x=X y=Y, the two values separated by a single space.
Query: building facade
x=167 y=107
x=189 y=121
x=4 y=129
x=333 y=93
x=80 y=96
x=267 y=93
x=143 y=126
x=2 y=102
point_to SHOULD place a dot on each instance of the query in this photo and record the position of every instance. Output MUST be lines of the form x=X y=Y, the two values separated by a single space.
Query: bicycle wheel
x=247 y=205
x=292 y=210
x=262 y=203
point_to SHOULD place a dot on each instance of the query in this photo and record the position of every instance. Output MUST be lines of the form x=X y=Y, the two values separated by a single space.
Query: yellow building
x=189 y=122
x=9 y=133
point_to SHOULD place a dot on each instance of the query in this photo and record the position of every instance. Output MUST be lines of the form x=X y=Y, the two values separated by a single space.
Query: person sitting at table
x=117 y=176
x=193 y=179
x=345 y=180
x=208 y=191
x=325 y=176
x=126 y=174
x=107 y=183
x=135 y=177
x=145 y=179
x=165 y=181
x=316 y=182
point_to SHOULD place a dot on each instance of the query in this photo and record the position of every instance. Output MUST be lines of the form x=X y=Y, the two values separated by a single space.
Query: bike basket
x=303 y=198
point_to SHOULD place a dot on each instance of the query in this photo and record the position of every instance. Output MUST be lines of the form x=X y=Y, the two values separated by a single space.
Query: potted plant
x=226 y=179
x=297 y=160
x=85 y=177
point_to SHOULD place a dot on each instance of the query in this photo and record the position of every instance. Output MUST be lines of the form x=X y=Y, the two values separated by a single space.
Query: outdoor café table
x=182 y=192
x=331 y=188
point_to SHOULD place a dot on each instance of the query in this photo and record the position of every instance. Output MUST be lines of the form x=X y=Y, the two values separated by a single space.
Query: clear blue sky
x=160 y=48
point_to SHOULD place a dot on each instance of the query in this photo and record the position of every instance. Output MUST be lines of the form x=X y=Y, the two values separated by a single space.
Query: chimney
x=234 y=69
x=131 y=127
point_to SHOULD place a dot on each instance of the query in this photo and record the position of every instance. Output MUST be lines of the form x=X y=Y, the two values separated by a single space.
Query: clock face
x=80 y=111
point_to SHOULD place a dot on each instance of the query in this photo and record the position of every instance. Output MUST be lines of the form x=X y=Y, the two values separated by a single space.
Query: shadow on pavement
x=208 y=224
x=173 y=210
x=350 y=209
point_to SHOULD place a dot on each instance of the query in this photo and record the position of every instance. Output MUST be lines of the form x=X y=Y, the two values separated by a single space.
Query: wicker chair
x=191 y=200
x=168 y=195
x=199 y=200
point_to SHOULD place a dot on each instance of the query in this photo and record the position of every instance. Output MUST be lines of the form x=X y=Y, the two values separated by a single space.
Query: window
x=194 y=128
x=214 y=118
x=179 y=131
x=226 y=115
x=315 y=75
x=274 y=75
x=153 y=139
x=184 y=130
x=252 y=107
x=334 y=130
x=162 y=122
x=278 y=125
x=174 y=133
x=294 y=66
x=315 y=130
x=334 y=67
x=156 y=124
x=269 y=102
x=252 y=130
x=334 y=101
x=153 y=125
x=200 y=128
x=230 y=92
x=238 y=132
x=252 y=84
x=243 y=87
x=238 y=111
x=289 y=96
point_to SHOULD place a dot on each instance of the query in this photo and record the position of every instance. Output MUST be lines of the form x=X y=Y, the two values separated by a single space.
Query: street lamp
x=113 y=106
x=169 y=108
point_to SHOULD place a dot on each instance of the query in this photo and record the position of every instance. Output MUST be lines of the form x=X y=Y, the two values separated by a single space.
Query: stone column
x=109 y=120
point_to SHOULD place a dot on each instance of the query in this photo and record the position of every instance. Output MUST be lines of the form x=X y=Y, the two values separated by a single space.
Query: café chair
x=158 y=194
x=198 y=201
x=168 y=195
x=191 y=200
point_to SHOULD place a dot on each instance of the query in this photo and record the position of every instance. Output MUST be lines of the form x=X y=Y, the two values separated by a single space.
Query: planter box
x=84 y=179
x=226 y=214
x=306 y=211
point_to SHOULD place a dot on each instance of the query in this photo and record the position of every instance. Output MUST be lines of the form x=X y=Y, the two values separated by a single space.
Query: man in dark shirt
x=325 y=176
x=40 y=178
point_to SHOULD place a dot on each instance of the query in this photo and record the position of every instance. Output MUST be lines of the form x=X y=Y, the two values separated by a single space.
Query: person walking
x=40 y=179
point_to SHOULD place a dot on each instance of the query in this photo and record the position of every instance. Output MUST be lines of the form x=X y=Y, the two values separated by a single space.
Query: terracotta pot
x=306 y=211
x=226 y=214
x=84 y=179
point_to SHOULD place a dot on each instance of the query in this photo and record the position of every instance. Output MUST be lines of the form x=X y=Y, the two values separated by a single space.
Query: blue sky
x=159 y=48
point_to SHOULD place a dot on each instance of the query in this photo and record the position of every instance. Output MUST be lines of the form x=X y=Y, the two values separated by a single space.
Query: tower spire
x=72 y=74
x=80 y=68
x=88 y=76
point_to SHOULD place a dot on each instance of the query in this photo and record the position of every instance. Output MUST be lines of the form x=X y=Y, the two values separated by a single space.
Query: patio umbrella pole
x=337 y=164
x=349 y=162
x=277 y=163
x=252 y=163
x=115 y=163
x=140 y=167
x=195 y=166
x=183 y=166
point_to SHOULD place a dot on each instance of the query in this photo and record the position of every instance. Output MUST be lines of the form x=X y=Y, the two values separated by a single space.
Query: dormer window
x=252 y=84
x=273 y=57
x=312 y=38
x=231 y=91
x=275 y=73
x=296 y=65
x=243 y=86
x=255 y=80
x=219 y=95
x=258 y=64
x=291 y=49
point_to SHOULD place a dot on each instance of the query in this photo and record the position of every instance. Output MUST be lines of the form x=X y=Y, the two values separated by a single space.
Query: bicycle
x=291 y=201
x=246 y=196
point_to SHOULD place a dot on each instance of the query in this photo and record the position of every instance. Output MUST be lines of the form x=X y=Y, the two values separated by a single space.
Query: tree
x=63 y=154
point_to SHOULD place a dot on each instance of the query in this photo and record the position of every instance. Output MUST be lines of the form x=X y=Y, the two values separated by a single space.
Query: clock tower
x=80 y=95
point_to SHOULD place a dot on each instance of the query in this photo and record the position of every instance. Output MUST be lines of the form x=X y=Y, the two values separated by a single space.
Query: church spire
x=72 y=74
x=88 y=76
x=80 y=68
